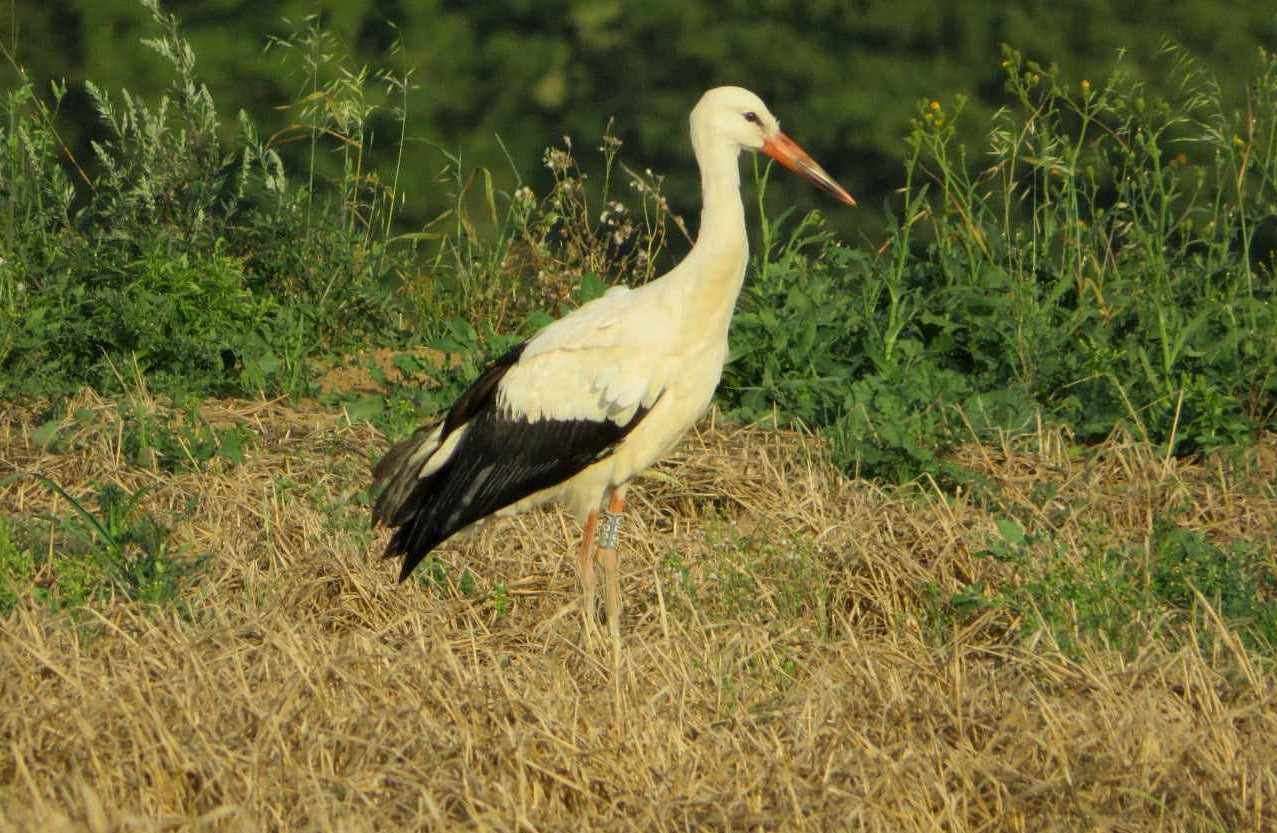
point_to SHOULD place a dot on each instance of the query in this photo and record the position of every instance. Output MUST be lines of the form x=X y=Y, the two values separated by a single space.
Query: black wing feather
x=482 y=393
x=398 y=473
x=501 y=459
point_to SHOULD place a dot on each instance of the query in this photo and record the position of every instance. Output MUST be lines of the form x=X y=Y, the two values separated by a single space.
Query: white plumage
x=601 y=394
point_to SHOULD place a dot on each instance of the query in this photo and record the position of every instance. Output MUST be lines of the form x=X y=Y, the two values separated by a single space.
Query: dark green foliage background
x=842 y=75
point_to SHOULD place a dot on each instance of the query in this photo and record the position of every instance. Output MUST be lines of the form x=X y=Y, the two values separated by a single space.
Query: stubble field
x=792 y=655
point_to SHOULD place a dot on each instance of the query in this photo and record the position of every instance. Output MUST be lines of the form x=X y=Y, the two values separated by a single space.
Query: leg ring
x=609 y=530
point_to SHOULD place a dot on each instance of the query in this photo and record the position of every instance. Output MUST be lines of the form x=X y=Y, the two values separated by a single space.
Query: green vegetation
x=1178 y=583
x=1100 y=257
x=119 y=551
x=1111 y=267
x=151 y=438
x=498 y=79
x=196 y=257
x=751 y=578
x=1110 y=264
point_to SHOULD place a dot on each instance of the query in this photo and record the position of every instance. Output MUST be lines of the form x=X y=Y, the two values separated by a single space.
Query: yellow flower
x=1086 y=86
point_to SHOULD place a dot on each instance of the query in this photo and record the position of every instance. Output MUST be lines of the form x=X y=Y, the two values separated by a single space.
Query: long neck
x=715 y=268
x=722 y=213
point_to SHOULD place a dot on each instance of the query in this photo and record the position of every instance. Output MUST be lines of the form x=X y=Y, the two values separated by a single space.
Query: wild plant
x=118 y=551
x=1105 y=260
x=525 y=255
x=1107 y=264
x=190 y=252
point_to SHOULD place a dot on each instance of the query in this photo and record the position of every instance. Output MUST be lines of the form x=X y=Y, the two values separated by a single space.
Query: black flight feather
x=396 y=475
x=501 y=459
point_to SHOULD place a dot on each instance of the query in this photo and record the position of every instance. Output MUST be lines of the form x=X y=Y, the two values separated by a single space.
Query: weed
x=679 y=576
x=513 y=260
x=754 y=579
x=467 y=585
x=1100 y=271
x=499 y=599
x=151 y=437
x=432 y=574
x=1115 y=595
x=117 y=551
x=153 y=442
x=17 y=566
x=187 y=253
x=1237 y=580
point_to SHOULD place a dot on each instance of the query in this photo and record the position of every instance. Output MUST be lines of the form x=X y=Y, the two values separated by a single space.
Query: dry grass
x=779 y=669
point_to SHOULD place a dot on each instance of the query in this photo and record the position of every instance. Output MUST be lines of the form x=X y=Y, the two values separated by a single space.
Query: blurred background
x=495 y=83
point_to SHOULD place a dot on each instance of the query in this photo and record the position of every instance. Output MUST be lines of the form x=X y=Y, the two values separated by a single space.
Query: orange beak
x=787 y=152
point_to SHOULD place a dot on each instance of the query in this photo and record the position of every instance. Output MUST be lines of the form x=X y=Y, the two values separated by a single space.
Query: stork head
x=735 y=116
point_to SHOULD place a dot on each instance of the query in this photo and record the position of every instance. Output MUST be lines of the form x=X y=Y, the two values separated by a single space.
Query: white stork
x=576 y=411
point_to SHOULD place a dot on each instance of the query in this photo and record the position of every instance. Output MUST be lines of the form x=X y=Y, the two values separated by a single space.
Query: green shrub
x=1118 y=595
x=191 y=255
x=118 y=551
x=1105 y=267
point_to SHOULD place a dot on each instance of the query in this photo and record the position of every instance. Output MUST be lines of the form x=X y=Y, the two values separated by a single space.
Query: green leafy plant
x=157 y=441
x=1117 y=595
x=1103 y=269
x=1238 y=580
x=188 y=252
x=117 y=551
x=17 y=566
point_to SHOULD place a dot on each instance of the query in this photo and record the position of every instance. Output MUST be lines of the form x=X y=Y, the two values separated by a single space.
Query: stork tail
x=397 y=474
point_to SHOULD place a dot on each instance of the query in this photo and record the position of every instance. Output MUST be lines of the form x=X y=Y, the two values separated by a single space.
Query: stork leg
x=585 y=567
x=608 y=560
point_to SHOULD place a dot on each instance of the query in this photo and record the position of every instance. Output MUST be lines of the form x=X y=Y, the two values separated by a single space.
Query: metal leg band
x=609 y=530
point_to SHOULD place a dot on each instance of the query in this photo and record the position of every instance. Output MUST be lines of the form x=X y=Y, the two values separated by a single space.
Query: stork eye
x=751 y=116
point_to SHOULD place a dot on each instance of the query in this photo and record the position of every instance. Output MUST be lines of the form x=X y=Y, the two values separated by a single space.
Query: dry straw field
x=783 y=665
